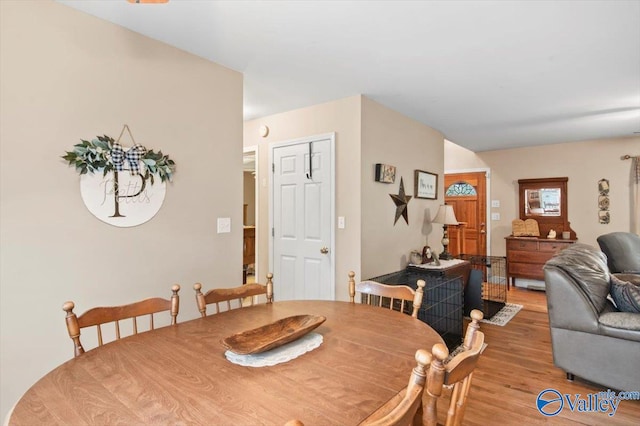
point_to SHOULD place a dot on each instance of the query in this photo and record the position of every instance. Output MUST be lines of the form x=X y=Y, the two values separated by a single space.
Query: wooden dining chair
x=403 y=408
x=114 y=314
x=236 y=297
x=457 y=375
x=472 y=329
x=389 y=296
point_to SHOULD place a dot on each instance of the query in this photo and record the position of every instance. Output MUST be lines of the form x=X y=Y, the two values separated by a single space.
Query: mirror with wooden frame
x=545 y=200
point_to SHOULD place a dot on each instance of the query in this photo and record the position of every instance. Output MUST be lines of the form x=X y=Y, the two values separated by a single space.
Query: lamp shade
x=445 y=215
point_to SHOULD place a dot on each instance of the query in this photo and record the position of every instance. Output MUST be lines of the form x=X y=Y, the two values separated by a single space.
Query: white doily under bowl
x=278 y=355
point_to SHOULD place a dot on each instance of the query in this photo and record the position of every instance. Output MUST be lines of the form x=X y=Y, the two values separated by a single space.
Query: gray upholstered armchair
x=622 y=250
x=589 y=336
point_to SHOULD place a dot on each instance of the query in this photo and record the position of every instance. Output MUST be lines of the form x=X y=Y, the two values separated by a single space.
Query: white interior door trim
x=305 y=140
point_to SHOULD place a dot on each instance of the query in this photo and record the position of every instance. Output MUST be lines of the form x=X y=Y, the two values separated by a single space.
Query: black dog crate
x=487 y=286
x=442 y=305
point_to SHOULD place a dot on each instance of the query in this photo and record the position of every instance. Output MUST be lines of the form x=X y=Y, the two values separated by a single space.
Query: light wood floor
x=517 y=365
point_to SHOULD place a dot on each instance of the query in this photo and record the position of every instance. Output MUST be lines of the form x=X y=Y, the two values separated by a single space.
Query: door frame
x=487 y=174
x=254 y=150
x=332 y=197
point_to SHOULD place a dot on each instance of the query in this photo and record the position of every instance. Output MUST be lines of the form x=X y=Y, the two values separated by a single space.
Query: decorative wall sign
x=603 y=202
x=401 y=201
x=385 y=173
x=118 y=186
x=426 y=185
x=122 y=199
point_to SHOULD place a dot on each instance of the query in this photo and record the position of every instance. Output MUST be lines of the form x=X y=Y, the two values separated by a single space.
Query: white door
x=302 y=257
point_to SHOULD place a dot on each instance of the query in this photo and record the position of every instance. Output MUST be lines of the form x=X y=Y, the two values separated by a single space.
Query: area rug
x=504 y=315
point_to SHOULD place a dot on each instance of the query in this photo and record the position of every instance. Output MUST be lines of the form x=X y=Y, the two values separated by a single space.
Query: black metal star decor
x=401 y=201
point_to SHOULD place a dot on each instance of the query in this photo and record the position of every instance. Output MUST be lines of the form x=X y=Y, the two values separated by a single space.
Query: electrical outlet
x=224 y=225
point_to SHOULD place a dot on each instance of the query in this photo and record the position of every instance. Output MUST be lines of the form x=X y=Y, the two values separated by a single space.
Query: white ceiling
x=487 y=74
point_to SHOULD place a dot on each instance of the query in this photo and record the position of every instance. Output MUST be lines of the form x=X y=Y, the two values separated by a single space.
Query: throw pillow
x=625 y=294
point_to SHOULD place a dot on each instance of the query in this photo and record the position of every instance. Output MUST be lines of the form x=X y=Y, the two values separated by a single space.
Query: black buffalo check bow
x=132 y=156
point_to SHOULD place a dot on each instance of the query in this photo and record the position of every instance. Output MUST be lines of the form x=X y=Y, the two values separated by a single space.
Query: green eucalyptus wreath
x=92 y=156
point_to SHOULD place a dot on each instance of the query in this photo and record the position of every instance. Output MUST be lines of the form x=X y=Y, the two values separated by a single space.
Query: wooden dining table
x=179 y=375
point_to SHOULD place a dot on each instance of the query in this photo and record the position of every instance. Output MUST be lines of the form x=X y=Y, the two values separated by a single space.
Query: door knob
x=324 y=250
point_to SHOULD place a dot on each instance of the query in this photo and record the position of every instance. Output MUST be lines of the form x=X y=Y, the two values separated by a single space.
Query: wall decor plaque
x=401 y=200
x=426 y=185
x=604 y=217
x=385 y=173
x=122 y=199
x=120 y=186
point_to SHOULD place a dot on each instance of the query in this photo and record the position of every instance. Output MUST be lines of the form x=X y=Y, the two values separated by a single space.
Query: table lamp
x=446 y=216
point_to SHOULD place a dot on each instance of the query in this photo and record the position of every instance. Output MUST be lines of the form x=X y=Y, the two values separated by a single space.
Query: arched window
x=460 y=189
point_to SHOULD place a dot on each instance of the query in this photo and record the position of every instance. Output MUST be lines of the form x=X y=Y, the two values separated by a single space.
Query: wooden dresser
x=527 y=255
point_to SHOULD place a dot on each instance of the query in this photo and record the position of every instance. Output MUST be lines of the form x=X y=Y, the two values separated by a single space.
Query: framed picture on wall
x=385 y=173
x=426 y=185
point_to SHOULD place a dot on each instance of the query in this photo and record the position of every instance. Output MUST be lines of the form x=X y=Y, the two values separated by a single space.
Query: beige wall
x=457 y=157
x=343 y=118
x=65 y=76
x=391 y=138
x=584 y=163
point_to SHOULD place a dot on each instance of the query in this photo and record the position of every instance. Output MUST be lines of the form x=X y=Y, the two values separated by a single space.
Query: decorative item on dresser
x=446 y=216
x=544 y=200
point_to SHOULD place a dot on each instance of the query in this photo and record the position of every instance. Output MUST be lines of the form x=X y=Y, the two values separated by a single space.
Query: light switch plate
x=495 y=216
x=495 y=203
x=340 y=222
x=224 y=225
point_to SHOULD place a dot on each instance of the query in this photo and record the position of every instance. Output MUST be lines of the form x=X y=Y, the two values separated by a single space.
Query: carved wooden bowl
x=272 y=335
